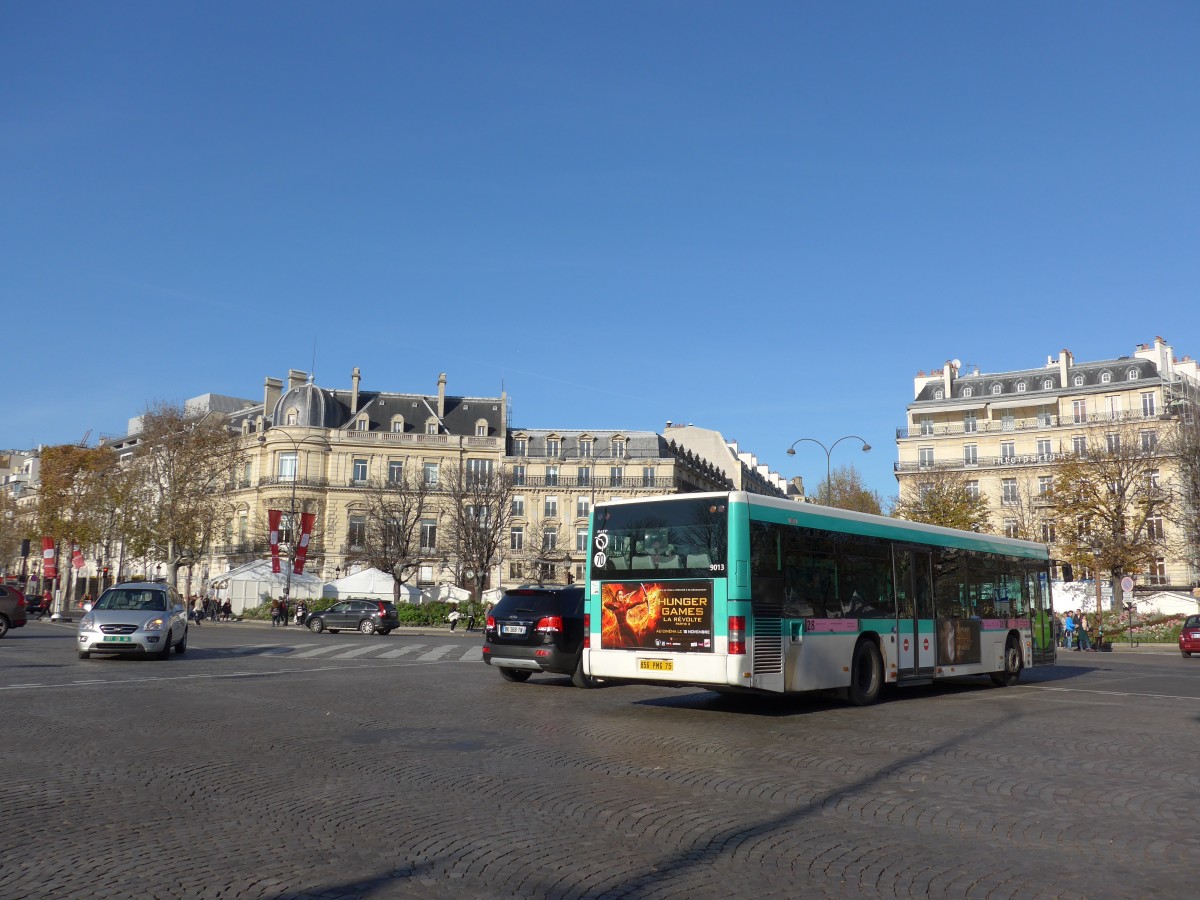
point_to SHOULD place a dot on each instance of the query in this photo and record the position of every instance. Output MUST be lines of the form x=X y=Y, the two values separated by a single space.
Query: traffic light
x=1067 y=572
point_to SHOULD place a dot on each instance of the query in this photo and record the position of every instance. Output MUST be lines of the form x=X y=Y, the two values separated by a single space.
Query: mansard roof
x=982 y=386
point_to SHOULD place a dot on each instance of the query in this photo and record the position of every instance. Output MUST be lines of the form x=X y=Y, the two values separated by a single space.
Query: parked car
x=537 y=629
x=368 y=616
x=36 y=605
x=12 y=609
x=138 y=619
x=1189 y=636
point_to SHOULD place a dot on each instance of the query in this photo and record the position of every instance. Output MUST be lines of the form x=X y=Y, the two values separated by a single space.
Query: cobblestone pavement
x=234 y=772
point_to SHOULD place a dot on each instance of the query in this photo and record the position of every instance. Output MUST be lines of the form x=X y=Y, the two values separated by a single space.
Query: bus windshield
x=677 y=539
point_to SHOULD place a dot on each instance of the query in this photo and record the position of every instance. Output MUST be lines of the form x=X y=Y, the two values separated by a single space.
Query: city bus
x=737 y=592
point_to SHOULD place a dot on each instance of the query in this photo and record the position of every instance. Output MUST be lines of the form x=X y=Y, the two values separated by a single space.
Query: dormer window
x=481 y=428
x=968 y=392
x=1048 y=384
x=996 y=389
x=618 y=447
x=1134 y=375
x=585 y=447
x=1020 y=387
x=520 y=446
x=293 y=417
x=431 y=425
x=1078 y=381
x=939 y=394
x=553 y=446
x=360 y=424
x=397 y=425
x=1105 y=377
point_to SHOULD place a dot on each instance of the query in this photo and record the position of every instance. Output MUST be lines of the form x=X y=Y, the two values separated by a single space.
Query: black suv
x=537 y=629
x=367 y=616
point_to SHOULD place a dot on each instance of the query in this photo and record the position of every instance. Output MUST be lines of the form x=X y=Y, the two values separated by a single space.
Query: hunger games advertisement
x=673 y=615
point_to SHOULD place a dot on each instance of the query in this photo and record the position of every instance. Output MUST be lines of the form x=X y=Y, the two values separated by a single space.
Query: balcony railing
x=306 y=481
x=597 y=481
x=993 y=426
x=985 y=462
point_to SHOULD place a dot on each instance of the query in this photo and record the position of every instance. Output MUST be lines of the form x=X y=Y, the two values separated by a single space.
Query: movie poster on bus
x=670 y=615
x=959 y=642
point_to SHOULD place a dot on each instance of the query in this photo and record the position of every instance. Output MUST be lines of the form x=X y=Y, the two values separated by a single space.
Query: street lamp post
x=287 y=588
x=866 y=448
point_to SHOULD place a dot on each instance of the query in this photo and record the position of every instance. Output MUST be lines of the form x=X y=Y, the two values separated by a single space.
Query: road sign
x=1127 y=584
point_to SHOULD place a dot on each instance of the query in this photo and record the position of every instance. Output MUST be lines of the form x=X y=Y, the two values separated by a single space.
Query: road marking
x=437 y=652
x=1110 y=693
x=400 y=651
x=472 y=654
x=318 y=651
x=357 y=651
x=255 y=648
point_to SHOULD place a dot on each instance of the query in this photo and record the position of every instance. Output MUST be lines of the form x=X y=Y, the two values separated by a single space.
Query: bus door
x=915 y=635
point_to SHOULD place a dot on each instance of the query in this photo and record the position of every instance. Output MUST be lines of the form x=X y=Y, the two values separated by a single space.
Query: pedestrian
x=1085 y=639
x=227 y=609
x=1058 y=631
x=274 y=613
x=283 y=611
x=1069 y=629
x=471 y=620
x=301 y=612
x=453 y=618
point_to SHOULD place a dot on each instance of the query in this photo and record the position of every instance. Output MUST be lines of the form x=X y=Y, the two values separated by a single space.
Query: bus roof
x=813 y=515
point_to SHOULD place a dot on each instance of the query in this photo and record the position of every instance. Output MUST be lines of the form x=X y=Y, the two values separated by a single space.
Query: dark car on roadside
x=537 y=629
x=1189 y=636
x=12 y=609
x=367 y=616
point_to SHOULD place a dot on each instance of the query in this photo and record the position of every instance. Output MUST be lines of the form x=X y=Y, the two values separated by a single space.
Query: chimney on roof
x=296 y=378
x=272 y=391
x=1065 y=361
x=441 y=396
x=355 y=378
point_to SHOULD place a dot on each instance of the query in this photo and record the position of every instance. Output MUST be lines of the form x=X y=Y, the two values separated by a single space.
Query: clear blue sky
x=762 y=218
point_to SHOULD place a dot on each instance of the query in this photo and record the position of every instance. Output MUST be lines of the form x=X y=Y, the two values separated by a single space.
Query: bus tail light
x=587 y=630
x=737 y=635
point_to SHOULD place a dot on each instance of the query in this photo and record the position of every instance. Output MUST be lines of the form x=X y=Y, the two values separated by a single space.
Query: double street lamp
x=866 y=448
x=262 y=439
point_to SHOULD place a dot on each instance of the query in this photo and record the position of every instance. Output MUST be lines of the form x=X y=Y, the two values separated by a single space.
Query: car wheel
x=3 y=626
x=1186 y=653
x=316 y=626
x=866 y=674
x=367 y=626
x=515 y=674
x=181 y=647
x=579 y=678
x=334 y=630
x=385 y=631
x=1012 y=665
x=166 y=649
x=83 y=654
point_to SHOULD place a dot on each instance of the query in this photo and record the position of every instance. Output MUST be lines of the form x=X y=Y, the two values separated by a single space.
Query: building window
x=430 y=471
x=1079 y=444
x=1134 y=375
x=428 y=535
x=425 y=575
x=970 y=454
x=1147 y=403
x=550 y=508
x=926 y=425
x=925 y=456
x=553 y=446
x=939 y=394
x=1152 y=478
x=1105 y=377
x=397 y=425
x=360 y=471
x=1047 y=384
x=618 y=448
x=551 y=476
x=1008 y=490
x=1045 y=485
x=583 y=507
x=287 y=466
x=585 y=447
x=431 y=426
x=520 y=447
x=970 y=423
x=1113 y=404
x=996 y=389
x=583 y=476
x=481 y=429
x=516 y=537
x=358 y=531
x=1048 y=535
x=1020 y=387
x=518 y=475
x=1078 y=381
x=1113 y=442
x=1008 y=449
x=1158 y=570
x=581 y=544
x=968 y=392
x=973 y=490
x=1154 y=528
x=1078 y=411
x=291 y=417
x=1010 y=528
x=647 y=476
x=1008 y=422
x=479 y=471
x=395 y=471
x=516 y=571
x=518 y=506
x=360 y=424
x=616 y=476
x=549 y=538
x=1149 y=440
x=1045 y=419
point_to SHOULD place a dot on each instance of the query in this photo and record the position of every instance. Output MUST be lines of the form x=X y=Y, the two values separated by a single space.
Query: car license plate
x=512 y=629
x=118 y=640
x=656 y=665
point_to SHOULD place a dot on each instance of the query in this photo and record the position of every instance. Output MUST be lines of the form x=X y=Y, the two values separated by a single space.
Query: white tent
x=248 y=586
x=445 y=593
x=370 y=584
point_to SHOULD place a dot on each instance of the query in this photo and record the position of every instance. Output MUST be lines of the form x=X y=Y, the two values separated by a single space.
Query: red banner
x=306 y=527
x=49 y=564
x=77 y=559
x=273 y=517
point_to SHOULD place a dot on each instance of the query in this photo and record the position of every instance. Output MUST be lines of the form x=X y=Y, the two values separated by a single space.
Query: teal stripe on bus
x=810 y=515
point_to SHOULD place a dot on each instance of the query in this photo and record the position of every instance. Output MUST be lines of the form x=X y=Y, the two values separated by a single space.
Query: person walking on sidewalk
x=1085 y=639
x=453 y=618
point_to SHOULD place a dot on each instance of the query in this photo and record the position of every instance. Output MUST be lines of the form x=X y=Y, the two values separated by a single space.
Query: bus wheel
x=866 y=674
x=1012 y=665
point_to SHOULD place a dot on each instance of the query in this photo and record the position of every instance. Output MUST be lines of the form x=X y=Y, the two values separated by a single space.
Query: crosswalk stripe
x=318 y=651
x=400 y=651
x=473 y=654
x=257 y=648
x=357 y=651
x=437 y=652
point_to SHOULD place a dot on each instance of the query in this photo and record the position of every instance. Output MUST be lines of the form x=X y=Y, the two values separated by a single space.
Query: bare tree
x=391 y=541
x=1026 y=511
x=845 y=490
x=479 y=509
x=1109 y=504
x=942 y=496
x=544 y=552
x=182 y=467
x=1185 y=446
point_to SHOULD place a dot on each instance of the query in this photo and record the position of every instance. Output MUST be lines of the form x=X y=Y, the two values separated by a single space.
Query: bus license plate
x=656 y=665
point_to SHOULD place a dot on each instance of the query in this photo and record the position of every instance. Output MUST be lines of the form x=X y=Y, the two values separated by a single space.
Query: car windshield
x=132 y=599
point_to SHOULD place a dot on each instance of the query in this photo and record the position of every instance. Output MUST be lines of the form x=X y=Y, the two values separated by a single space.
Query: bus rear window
x=677 y=539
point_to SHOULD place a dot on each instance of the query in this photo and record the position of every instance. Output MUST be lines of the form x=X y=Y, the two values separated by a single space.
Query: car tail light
x=737 y=635
x=382 y=609
x=491 y=623
x=548 y=624
x=587 y=630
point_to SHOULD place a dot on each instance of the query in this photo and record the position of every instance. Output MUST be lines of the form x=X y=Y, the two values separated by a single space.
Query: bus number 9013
x=717 y=567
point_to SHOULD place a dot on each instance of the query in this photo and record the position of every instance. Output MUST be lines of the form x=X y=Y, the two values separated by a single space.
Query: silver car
x=138 y=618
